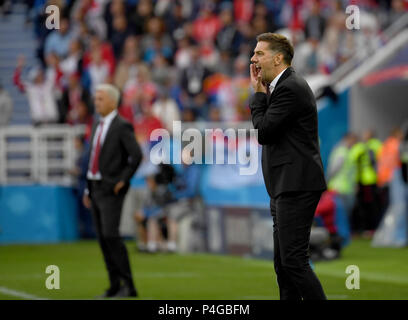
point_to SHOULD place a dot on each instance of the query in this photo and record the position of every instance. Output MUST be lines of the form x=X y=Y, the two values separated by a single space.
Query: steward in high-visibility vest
x=364 y=155
x=342 y=173
x=341 y=168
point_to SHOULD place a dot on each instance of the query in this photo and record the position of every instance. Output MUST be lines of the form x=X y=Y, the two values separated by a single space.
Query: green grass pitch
x=383 y=273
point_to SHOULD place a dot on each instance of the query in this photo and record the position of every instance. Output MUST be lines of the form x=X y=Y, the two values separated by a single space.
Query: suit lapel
x=94 y=126
x=284 y=76
x=108 y=134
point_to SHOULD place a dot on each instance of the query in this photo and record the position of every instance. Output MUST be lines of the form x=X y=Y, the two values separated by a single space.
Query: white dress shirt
x=107 y=120
x=272 y=85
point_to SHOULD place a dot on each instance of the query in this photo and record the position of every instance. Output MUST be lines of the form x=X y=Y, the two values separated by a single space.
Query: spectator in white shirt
x=98 y=70
x=166 y=109
x=40 y=92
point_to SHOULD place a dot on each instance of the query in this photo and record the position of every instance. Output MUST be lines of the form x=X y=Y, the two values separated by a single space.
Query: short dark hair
x=280 y=43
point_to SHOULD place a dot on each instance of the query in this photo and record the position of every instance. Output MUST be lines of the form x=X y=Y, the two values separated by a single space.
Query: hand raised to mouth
x=256 y=78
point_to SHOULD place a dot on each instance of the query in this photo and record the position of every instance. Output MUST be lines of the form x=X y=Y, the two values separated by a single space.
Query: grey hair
x=111 y=90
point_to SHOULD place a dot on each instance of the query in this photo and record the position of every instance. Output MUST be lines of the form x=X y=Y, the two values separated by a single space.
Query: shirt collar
x=272 y=85
x=109 y=117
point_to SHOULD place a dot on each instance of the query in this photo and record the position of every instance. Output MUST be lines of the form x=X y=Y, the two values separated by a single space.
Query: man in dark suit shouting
x=283 y=110
x=114 y=158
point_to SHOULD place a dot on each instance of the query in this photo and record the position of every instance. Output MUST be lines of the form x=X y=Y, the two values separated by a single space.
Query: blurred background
x=189 y=61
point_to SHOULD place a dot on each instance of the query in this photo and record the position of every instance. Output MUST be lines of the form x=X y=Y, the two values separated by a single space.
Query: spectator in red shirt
x=105 y=50
x=326 y=209
x=243 y=10
x=330 y=247
x=140 y=91
x=145 y=123
x=206 y=26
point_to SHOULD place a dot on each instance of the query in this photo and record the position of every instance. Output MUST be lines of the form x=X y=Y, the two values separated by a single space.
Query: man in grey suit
x=283 y=110
x=114 y=157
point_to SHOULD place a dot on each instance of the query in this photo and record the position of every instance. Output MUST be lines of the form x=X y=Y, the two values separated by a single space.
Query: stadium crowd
x=180 y=60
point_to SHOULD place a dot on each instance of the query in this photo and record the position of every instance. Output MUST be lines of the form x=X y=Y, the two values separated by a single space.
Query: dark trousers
x=384 y=198
x=367 y=211
x=293 y=214
x=106 y=211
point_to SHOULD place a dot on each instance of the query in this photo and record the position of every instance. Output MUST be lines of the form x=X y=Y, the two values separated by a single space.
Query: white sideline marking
x=20 y=294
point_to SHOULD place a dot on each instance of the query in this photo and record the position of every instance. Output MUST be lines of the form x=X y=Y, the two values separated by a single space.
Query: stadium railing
x=42 y=155
x=381 y=40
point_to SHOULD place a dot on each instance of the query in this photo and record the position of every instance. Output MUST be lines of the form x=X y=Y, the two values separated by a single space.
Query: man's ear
x=278 y=59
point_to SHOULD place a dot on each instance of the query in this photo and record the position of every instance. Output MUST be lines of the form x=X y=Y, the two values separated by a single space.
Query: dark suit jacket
x=287 y=129
x=120 y=154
